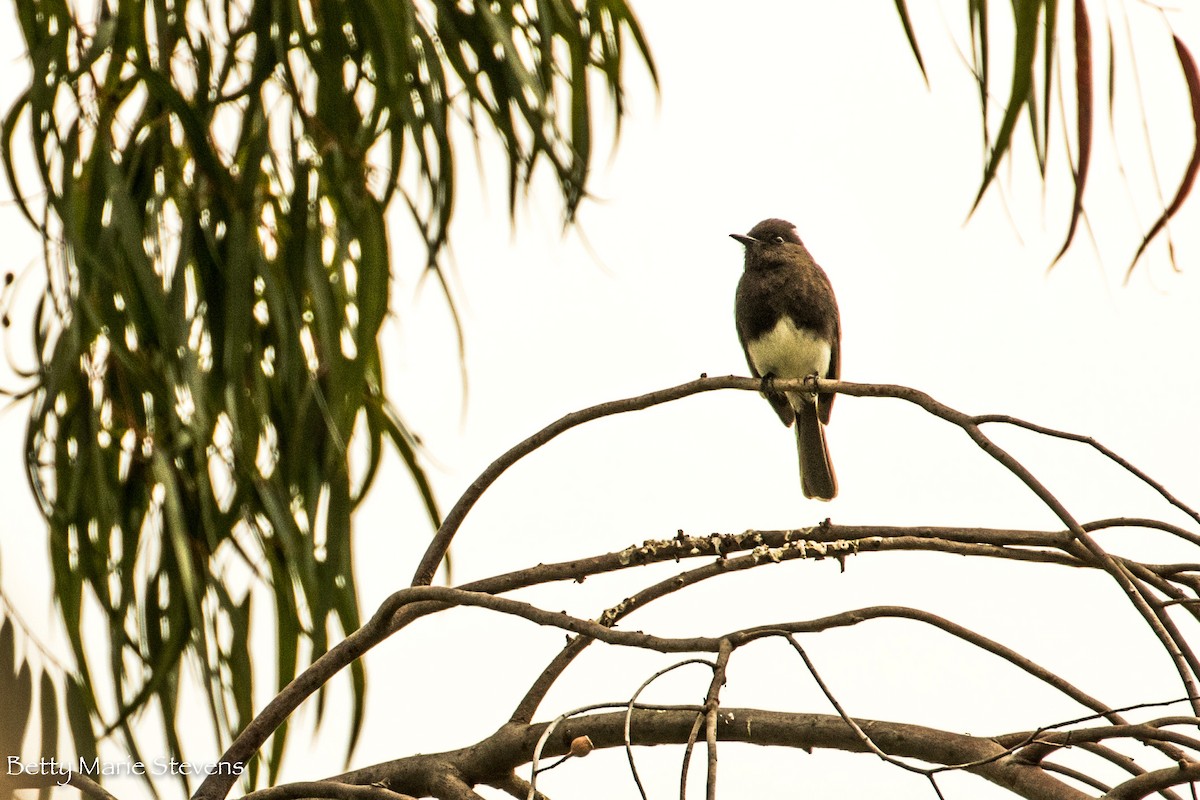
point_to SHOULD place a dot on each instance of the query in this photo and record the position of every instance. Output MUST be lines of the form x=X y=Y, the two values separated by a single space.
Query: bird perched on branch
x=788 y=324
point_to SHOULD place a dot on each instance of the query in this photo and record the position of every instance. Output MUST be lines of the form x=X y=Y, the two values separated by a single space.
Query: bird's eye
x=778 y=240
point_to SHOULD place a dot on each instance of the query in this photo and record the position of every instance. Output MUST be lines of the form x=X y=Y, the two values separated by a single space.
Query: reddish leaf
x=1190 y=74
x=1083 y=111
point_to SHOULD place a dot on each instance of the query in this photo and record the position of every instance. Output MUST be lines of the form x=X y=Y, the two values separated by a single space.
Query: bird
x=789 y=327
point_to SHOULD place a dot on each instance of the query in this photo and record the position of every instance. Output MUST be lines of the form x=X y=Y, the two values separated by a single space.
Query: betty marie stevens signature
x=62 y=769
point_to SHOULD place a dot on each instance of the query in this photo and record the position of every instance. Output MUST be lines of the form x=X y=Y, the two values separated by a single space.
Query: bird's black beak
x=746 y=240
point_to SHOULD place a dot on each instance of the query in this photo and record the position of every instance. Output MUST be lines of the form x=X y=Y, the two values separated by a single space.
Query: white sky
x=814 y=112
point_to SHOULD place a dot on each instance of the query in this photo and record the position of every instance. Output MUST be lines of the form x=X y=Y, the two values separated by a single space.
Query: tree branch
x=1151 y=782
x=512 y=745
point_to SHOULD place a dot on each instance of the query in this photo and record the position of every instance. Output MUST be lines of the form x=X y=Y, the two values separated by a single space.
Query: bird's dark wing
x=777 y=399
x=825 y=401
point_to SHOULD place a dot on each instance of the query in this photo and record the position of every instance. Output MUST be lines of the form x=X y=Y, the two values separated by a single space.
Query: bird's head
x=766 y=236
x=769 y=231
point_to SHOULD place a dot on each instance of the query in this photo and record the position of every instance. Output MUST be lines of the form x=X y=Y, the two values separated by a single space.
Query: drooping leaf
x=977 y=11
x=48 y=716
x=1026 y=14
x=1187 y=65
x=1083 y=119
x=1049 y=55
x=16 y=692
x=911 y=35
x=79 y=718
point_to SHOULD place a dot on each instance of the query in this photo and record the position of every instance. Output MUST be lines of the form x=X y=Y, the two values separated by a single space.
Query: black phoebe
x=788 y=324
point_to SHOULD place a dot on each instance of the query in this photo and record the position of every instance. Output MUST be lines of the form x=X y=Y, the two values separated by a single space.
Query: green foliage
x=16 y=692
x=17 y=678
x=214 y=180
x=1035 y=26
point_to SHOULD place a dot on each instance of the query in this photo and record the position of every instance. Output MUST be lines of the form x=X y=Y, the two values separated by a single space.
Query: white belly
x=790 y=352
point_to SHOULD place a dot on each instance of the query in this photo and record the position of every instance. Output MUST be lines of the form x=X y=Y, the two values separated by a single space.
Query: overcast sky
x=817 y=113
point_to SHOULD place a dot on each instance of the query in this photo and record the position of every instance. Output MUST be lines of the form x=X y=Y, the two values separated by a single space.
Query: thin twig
x=712 y=703
x=688 y=749
x=633 y=704
x=866 y=740
x=441 y=540
x=535 y=769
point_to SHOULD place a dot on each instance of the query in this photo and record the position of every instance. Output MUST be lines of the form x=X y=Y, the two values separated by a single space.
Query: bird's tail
x=816 y=470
